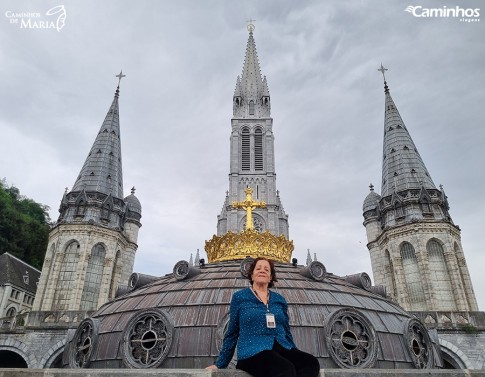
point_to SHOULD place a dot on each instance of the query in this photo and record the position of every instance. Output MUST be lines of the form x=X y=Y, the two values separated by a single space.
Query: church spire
x=251 y=97
x=402 y=166
x=102 y=170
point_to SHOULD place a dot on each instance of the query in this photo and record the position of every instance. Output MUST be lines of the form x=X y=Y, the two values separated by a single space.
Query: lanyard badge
x=270 y=321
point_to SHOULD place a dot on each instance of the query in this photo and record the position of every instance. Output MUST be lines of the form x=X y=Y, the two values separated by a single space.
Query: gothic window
x=413 y=277
x=258 y=224
x=399 y=210
x=258 y=150
x=11 y=312
x=105 y=211
x=425 y=205
x=245 y=150
x=251 y=107
x=440 y=277
x=80 y=207
x=92 y=281
x=66 y=278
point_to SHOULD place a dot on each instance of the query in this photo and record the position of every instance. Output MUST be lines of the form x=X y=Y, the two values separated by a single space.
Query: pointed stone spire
x=402 y=166
x=251 y=96
x=102 y=170
x=308 y=258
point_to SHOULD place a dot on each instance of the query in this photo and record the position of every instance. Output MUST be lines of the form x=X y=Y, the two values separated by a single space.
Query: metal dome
x=178 y=321
x=132 y=203
x=371 y=201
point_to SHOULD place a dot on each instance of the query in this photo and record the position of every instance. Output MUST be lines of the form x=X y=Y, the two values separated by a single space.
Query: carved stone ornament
x=419 y=344
x=147 y=339
x=233 y=246
x=83 y=343
x=351 y=339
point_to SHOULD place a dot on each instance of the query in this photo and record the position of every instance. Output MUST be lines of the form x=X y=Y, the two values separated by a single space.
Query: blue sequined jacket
x=247 y=326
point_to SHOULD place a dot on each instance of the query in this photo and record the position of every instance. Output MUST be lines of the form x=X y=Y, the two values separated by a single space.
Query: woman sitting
x=260 y=328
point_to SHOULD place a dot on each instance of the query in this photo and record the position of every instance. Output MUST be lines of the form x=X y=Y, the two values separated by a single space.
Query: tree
x=24 y=226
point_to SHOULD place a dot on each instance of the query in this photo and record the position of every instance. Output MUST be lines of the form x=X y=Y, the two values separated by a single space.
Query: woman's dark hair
x=271 y=266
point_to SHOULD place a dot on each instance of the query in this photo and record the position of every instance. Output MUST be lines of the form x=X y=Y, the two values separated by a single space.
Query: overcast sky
x=181 y=59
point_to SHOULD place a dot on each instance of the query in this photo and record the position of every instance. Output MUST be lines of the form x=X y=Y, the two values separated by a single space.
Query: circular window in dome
x=181 y=270
x=245 y=264
x=147 y=339
x=83 y=343
x=318 y=270
x=351 y=339
x=419 y=344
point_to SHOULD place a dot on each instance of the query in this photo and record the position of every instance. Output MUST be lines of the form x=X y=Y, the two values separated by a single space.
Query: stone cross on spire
x=251 y=26
x=120 y=76
x=249 y=205
x=382 y=70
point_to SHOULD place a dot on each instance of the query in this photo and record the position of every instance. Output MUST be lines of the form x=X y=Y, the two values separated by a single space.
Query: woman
x=259 y=325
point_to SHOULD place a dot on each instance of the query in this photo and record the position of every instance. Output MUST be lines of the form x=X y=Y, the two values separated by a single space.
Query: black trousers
x=280 y=362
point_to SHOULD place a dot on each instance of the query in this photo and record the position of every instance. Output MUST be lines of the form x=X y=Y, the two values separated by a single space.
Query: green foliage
x=24 y=226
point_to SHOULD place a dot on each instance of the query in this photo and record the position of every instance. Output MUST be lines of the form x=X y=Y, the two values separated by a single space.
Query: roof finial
x=133 y=190
x=371 y=186
x=382 y=70
x=251 y=26
x=120 y=76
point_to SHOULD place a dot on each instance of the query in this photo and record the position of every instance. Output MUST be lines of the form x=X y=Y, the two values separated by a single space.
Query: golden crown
x=249 y=243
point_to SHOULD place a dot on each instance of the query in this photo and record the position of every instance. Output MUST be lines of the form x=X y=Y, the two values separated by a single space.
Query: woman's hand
x=211 y=367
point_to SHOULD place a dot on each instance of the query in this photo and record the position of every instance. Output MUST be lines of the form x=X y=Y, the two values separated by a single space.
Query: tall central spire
x=251 y=96
x=252 y=161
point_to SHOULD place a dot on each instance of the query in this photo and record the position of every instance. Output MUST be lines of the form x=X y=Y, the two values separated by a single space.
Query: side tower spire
x=415 y=248
x=252 y=152
x=92 y=246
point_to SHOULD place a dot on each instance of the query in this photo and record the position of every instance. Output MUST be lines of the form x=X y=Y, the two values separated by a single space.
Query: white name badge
x=270 y=321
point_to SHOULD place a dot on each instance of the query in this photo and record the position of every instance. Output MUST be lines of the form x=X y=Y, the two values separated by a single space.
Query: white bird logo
x=410 y=9
x=61 y=19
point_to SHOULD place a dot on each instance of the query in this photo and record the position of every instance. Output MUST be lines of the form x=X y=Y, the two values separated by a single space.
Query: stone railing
x=57 y=319
x=233 y=373
x=467 y=322
x=16 y=322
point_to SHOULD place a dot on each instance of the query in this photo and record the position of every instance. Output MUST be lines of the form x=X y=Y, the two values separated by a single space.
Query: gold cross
x=249 y=205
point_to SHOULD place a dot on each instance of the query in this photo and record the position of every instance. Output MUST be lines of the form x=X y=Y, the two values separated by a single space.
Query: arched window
x=11 y=313
x=251 y=107
x=67 y=275
x=92 y=281
x=258 y=149
x=80 y=207
x=413 y=277
x=440 y=277
x=245 y=150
